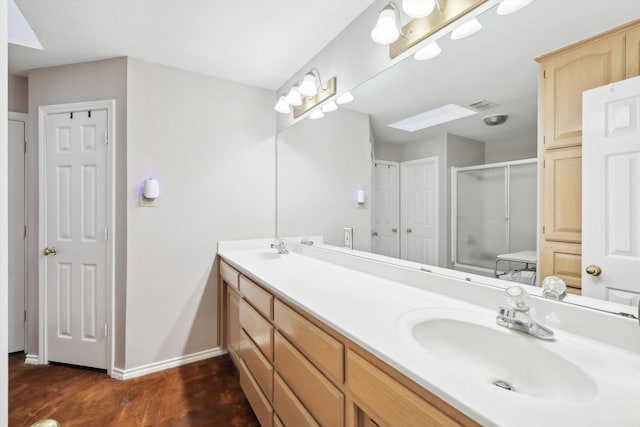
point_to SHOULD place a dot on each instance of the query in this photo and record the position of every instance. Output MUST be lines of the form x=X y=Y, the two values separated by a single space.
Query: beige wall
x=90 y=81
x=18 y=94
x=321 y=165
x=210 y=144
x=504 y=150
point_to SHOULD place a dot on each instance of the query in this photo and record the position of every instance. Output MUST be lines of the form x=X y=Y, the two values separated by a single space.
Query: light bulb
x=282 y=106
x=466 y=29
x=329 y=107
x=308 y=86
x=418 y=8
x=316 y=114
x=294 y=98
x=345 y=98
x=386 y=31
x=429 y=51
x=509 y=6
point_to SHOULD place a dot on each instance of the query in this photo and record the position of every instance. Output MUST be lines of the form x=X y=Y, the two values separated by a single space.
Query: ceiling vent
x=482 y=105
x=495 y=119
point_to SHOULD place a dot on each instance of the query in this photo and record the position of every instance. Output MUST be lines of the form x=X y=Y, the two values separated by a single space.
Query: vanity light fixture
x=465 y=30
x=282 y=106
x=345 y=98
x=316 y=114
x=388 y=28
x=429 y=51
x=309 y=85
x=329 y=107
x=294 y=97
x=509 y=6
x=418 y=8
x=311 y=92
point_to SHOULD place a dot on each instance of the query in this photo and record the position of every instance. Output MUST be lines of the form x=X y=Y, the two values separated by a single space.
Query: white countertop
x=367 y=308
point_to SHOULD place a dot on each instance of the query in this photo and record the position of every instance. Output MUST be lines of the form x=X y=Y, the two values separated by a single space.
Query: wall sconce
x=310 y=93
x=150 y=193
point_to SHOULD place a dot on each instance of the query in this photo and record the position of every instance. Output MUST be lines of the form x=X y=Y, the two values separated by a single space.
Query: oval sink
x=475 y=347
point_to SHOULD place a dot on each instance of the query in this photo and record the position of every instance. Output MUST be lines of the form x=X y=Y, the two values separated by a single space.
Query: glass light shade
x=418 y=8
x=386 y=31
x=316 y=114
x=308 y=86
x=429 y=51
x=294 y=98
x=329 y=107
x=509 y=6
x=282 y=106
x=466 y=29
x=345 y=98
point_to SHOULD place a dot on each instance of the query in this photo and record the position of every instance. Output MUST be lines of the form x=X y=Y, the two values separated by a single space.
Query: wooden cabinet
x=564 y=75
x=233 y=324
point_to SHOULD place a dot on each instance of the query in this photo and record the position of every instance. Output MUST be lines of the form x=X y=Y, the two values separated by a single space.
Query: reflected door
x=611 y=192
x=76 y=220
x=419 y=210
x=384 y=235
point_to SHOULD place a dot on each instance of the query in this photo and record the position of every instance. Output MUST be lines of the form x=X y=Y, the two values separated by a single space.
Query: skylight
x=437 y=116
x=20 y=32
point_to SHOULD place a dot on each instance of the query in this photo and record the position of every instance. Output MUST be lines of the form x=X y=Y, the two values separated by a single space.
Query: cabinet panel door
x=562 y=195
x=565 y=78
x=233 y=324
x=562 y=260
x=257 y=400
x=633 y=52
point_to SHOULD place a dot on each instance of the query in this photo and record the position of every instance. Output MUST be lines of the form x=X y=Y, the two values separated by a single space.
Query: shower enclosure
x=494 y=211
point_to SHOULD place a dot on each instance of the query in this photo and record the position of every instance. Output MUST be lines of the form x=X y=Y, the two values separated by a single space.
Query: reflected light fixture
x=294 y=97
x=509 y=6
x=465 y=30
x=316 y=114
x=345 y=98
x=282 y=106
x=418 y=8
x=429 y=51
x=309 y=85
x=329 y=107
x=388 y=28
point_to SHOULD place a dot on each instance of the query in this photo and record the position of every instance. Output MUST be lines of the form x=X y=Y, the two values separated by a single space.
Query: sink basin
x=472 y=346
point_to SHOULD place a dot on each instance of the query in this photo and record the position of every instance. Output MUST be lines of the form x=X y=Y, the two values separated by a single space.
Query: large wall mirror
x=455 y=194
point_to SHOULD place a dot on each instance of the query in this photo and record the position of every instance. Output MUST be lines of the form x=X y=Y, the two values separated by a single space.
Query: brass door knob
x=374 y=233
x=409 y=230
x=394 y=230
x=593 y=270
x=50 y=251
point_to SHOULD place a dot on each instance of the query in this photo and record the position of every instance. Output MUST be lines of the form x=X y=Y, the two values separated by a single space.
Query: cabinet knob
x=593 y=270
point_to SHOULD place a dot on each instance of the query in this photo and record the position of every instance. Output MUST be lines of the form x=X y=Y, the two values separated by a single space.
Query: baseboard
x=31 y=359
x=125 y=374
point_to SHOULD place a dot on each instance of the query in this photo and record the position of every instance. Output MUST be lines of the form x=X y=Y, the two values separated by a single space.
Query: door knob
x=409 y=230
x=50 y=251
x=374 y=233
x=394 y=230
x=593 y=270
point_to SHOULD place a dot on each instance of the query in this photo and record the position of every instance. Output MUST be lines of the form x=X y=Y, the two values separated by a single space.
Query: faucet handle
x=517 y=298
x=554 y=288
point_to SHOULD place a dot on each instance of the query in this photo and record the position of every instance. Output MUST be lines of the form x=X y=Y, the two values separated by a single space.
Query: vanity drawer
x=229 y=274
x=258 y=297
x=257 y=328
x=323 y=350
x=259 y=403
x=387 y=400
x=276 y=421
x=288 y=407
x=258 y=365
x=323 y=400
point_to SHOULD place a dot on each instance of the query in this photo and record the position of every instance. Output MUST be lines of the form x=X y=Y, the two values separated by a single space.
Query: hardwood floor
x=205 y=393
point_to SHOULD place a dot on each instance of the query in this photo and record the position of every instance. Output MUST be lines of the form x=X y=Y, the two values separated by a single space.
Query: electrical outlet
x=348 y=237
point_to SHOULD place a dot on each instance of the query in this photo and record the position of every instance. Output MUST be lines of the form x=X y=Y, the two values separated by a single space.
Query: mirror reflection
x=445 y=150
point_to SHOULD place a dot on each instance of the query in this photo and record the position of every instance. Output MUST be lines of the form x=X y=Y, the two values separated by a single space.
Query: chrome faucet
x=517 y=317
x=280 y=246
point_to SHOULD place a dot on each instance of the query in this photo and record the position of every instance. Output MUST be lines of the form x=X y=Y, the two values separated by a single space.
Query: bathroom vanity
x=327 y=338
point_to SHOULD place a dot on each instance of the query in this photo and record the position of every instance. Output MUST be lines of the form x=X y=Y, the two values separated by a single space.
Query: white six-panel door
x=611 y=192
x=419 y=210
x=17 y=128
x=76 y=226
x=385 y=239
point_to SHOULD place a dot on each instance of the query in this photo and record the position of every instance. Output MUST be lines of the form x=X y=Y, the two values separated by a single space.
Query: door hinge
x=106 y=138
x=544 y=139
x=544 y=163
x=25 y=146
x=106 y=330
x=544 y=74
x=25 y=315
x=543 y=229
x=25 y=231
x=106 y=233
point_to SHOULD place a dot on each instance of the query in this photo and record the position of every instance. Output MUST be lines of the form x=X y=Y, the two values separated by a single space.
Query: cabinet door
x=562 y=195
x=233 y=323
x=566 y=76
x=562 y=260
x=633 y=52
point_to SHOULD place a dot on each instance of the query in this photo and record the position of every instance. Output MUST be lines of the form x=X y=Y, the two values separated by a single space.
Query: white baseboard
x=31 y=359
x=125 y=374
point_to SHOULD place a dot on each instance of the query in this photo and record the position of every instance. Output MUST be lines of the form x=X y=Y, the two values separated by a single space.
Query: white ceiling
x=496 y=64
x=256 y=42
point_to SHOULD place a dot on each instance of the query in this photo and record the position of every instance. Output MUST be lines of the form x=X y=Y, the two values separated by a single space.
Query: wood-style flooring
x=205 y=393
